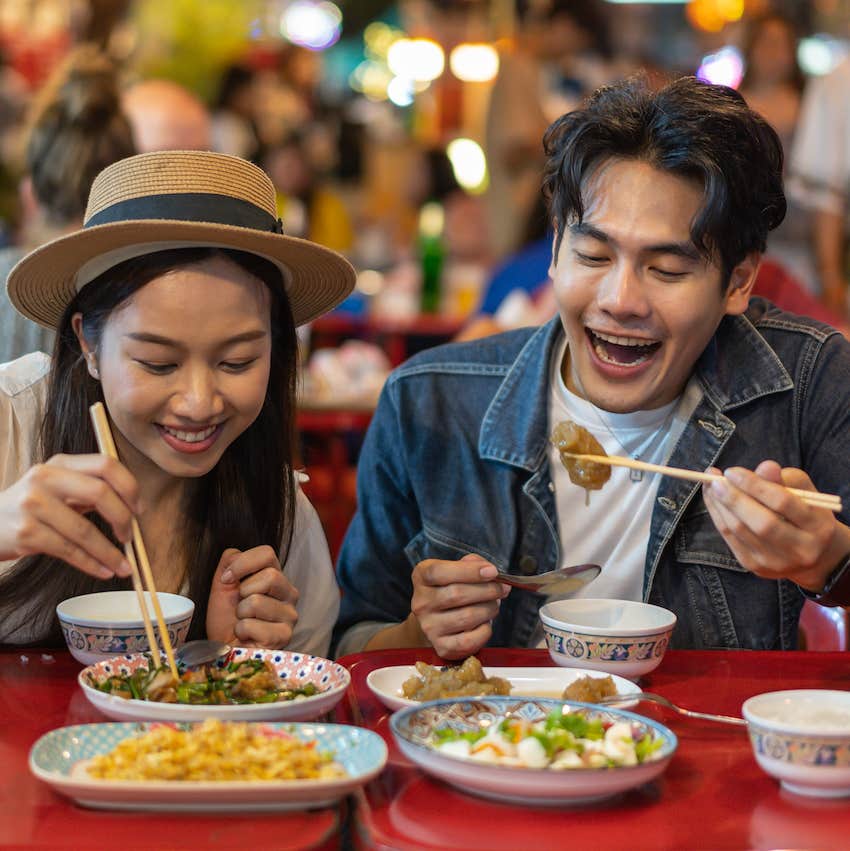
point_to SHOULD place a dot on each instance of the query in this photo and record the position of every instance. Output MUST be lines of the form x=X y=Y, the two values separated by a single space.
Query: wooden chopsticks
x=813 y=498
x=107 y=446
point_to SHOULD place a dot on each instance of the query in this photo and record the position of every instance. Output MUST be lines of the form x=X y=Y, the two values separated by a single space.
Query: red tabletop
x=39 y=692
x=712 y=796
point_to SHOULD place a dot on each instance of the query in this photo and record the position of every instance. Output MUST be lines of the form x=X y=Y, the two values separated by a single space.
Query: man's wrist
x=836 y=589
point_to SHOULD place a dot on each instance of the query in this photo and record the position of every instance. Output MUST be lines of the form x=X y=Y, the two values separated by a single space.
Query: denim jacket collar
x=514 y=429
x=737 y=366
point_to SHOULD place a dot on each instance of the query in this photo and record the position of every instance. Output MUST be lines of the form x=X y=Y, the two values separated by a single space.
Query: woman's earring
x=92 y=365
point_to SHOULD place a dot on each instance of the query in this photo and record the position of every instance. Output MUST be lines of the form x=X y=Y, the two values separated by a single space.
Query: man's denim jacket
x=455 y=462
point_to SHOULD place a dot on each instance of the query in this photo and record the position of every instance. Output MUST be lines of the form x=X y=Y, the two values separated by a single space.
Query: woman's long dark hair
x=246 y=500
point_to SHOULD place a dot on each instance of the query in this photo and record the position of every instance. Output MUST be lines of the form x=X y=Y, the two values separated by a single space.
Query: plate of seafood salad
x=246 y=685
x=212 y=765
x=533 y=751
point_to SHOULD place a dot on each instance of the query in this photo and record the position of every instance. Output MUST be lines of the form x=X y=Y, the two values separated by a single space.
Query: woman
x=175 y=305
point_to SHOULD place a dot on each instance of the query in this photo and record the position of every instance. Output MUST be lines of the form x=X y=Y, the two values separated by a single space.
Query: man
x=661 y=203
x=166 y=117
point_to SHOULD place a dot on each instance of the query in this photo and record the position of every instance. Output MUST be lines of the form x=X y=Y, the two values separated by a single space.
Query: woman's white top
x=23 y=398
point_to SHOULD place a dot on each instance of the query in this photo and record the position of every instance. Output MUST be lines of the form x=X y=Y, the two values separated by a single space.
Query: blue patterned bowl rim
x=186 y=610
x=501 y=704
x=750 y=712
x=604 y=631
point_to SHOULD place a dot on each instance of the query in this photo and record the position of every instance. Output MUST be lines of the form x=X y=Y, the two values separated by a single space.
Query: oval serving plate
x=56 y=756
x=413 y=728
x=297 y=669
x=550 y=683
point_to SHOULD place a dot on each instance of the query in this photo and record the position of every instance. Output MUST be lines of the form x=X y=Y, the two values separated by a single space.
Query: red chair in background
x=824 y=628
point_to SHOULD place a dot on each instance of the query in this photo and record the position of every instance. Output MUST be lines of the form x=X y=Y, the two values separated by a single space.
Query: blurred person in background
x=76 y=129
x=558 y=57
x=820 y=177
x=307 y=204
x=165 y=116
x=773 y=85
x=234 y=113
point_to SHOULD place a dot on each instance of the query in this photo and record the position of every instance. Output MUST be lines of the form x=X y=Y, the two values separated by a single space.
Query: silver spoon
x=200 y=652
x=657 y=698
x=562 y=580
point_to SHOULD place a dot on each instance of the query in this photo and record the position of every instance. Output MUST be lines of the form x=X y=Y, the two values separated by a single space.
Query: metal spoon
x=200 y=652
x=657 y=698
x=562 y=580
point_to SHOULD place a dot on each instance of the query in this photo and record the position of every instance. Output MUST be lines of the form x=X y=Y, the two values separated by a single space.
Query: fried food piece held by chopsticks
x=569 y=439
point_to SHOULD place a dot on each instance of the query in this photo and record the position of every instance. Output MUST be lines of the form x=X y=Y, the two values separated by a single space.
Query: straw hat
x=175 y=199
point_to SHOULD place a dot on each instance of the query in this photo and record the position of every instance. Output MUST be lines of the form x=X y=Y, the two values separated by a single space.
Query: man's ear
x=89 y=353
x=553 y=262
x=741 y=283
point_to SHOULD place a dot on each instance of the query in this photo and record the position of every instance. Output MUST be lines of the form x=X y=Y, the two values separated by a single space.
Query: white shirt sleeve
x=820 y=156
x=308 y=567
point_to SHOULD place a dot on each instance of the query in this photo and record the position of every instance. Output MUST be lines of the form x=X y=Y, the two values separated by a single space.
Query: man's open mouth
x=621 y=351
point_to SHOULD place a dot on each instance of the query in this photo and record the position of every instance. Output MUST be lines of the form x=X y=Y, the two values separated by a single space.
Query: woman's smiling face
x=638 y=302
x=184 y=367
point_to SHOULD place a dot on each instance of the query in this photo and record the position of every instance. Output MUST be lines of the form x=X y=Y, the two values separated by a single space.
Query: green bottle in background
x=431 y=255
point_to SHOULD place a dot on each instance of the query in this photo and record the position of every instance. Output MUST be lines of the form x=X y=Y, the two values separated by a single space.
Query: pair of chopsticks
x=107 y=446
x=813 y=498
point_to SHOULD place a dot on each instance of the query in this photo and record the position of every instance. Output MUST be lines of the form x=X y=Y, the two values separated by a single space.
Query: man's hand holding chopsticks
x=771 y=531
x=251 y=602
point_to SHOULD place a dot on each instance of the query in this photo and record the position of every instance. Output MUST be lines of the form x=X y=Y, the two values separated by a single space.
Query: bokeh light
x=474 y=63
x=315 y=25
x=416 y=59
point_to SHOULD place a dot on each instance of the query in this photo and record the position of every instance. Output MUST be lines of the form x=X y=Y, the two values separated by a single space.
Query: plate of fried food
x=400 y=686
x=246 y=685
x=210 y=766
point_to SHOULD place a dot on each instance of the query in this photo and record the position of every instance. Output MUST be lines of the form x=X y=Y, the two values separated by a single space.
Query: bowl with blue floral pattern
x=622 y=637
x=310 y=686
x=802 y=738
x=105 y=624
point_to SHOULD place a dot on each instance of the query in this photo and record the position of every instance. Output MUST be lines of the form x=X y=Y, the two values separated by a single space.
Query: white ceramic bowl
x=106 y=624
x=621 y=637
x=802 y=737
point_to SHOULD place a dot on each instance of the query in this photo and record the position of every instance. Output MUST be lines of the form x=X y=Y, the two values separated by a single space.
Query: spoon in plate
x=562 y=580
x=201 y=652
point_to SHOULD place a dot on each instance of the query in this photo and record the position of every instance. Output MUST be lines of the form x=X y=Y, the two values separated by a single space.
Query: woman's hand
x=251 y=602
x=43 y=513
x=454 y=603
x=772 y=532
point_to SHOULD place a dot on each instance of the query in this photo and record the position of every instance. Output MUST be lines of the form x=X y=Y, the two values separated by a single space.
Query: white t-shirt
x=23 y=395
x=611 y=526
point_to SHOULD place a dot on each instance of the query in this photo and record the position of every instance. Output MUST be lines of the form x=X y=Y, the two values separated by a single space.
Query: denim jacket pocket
x=697 y=541
x=715 y=586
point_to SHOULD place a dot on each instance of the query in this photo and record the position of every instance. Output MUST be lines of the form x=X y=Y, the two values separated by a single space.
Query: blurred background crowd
x=406 y=135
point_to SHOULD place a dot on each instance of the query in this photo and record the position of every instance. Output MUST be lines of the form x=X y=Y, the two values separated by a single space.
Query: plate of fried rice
x=249 y=684
x=213 y=765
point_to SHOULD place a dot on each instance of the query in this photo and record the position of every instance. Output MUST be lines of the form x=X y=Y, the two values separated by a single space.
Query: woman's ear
x=741 y=283
x=89 y=353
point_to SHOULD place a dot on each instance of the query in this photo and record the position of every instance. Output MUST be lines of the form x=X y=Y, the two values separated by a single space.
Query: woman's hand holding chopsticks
x=772 y=531
x=43 y=512
x=251 y=602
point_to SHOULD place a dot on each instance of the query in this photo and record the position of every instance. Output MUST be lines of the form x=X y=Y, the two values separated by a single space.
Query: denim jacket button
x=528 y=565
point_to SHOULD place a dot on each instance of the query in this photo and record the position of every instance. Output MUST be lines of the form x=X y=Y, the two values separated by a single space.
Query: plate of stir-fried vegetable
x=247 y=685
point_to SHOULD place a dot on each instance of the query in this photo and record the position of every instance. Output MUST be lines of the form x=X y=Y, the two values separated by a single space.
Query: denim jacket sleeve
x=373 y=570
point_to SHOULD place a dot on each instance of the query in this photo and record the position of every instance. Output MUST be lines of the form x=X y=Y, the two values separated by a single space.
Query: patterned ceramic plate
x=413 y=729
x=295 y=668
x=386 y=683
x=52 y=759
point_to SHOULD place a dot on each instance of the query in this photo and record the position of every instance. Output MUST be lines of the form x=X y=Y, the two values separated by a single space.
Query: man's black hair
x=702 y=132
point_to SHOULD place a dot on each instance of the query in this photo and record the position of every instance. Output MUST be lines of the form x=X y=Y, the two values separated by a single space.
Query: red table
x=712 y=796
x=39 y=692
